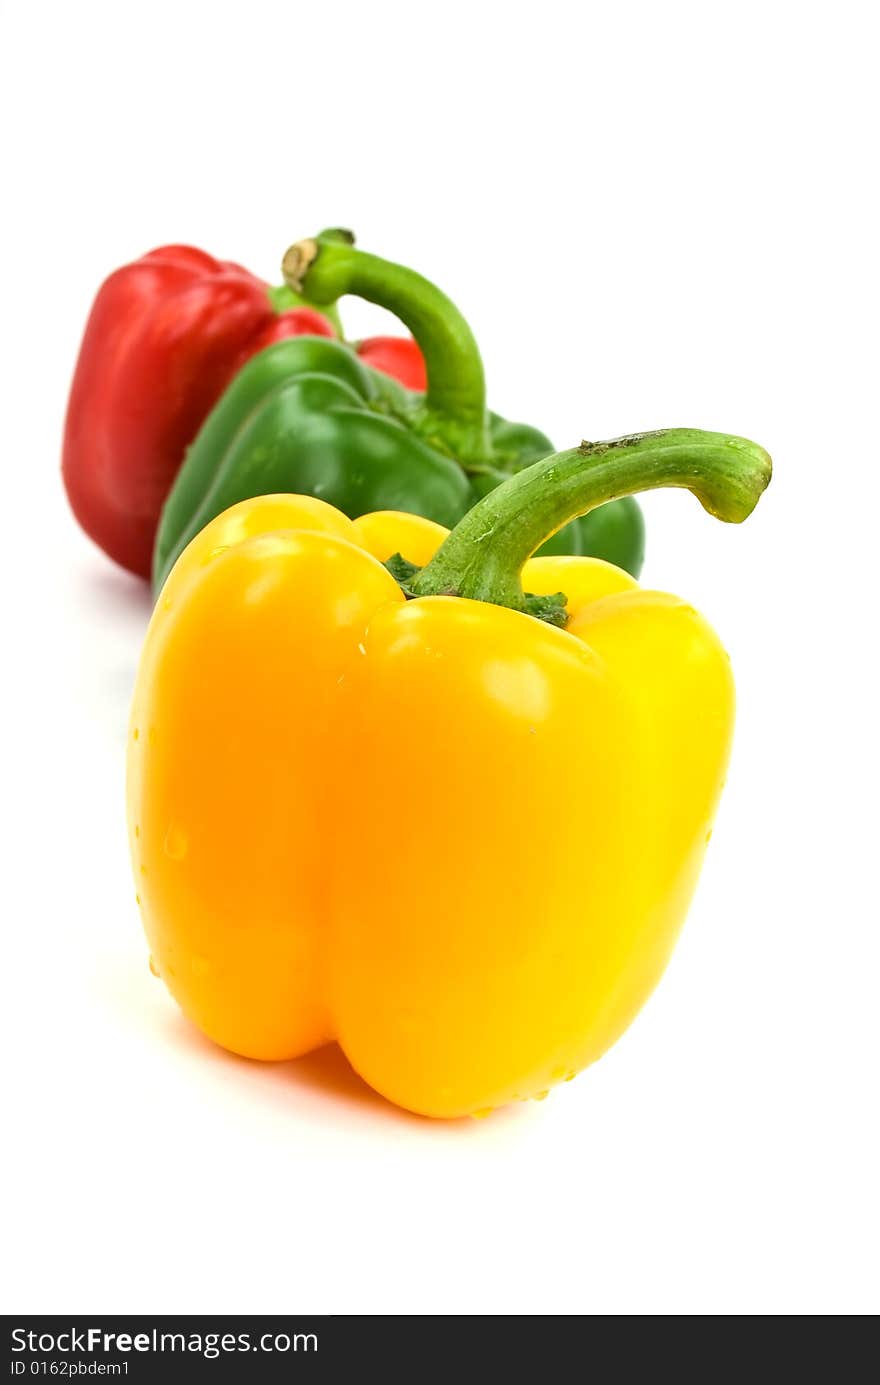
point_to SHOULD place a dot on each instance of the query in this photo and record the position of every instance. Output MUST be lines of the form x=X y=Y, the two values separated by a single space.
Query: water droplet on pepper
x=176 y=842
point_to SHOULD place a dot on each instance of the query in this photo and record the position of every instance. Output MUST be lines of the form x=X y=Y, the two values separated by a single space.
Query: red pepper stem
x=483 y=556
x=454 y=414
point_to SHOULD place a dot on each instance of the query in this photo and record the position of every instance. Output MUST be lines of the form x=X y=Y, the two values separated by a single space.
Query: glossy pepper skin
x=359 y=817
x=165 y=336
x=385 y=448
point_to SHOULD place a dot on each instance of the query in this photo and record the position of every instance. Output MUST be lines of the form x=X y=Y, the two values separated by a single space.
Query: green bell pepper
x=306 y=416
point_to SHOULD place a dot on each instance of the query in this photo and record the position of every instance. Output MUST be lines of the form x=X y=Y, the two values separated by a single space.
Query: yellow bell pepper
x=458 y=833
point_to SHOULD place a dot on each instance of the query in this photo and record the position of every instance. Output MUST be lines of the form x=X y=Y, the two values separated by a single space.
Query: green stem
x=283 y=298
x=454 y=414
x=483 y=556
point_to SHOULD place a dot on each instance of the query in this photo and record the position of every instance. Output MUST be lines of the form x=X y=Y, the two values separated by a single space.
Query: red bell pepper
x=397 y=356
x=165 y=336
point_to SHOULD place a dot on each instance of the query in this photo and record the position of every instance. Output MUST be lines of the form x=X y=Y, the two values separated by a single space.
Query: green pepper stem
x=454 y=414
x=483 y=556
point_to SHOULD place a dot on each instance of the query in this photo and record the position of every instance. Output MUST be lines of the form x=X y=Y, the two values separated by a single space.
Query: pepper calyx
x=551 y=609
x=403 y=571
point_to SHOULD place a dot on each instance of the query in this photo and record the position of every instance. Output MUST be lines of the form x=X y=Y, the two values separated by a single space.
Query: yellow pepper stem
x=483 y=556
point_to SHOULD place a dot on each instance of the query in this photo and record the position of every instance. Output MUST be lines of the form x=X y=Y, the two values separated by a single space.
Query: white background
x=653 y=215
